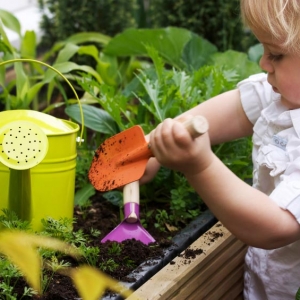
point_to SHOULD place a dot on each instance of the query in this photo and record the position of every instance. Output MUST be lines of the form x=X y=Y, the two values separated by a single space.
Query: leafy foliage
x=217 y=21
x=21 y=259
x=63 y=18
x=158 y=93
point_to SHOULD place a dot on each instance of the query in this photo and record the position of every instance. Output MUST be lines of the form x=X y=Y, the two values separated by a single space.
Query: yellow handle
x=59 y=73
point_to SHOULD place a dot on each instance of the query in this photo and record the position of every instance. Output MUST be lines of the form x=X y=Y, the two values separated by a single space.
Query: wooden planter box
x=217 y=273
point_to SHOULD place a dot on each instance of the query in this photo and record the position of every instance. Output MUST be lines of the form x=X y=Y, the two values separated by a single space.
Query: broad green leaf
x=108 y=69
x=5 y=44
x=2 y=74
x=237 y=61
x=79 y=38
x=94 y=118
x=169 y=42
x=10 y=21
x=92 y=37
x=84 y=194
x=197 y=52
x=92 y=284
x=67 y=67
x=28 y=45
x=53 y=106
x=255 y=53
x=33 y=91
x=114 y=197
x=90 y=50
x=66 y=53
x=22 y=81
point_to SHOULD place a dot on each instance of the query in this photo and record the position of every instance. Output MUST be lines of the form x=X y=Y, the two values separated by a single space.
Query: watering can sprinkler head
x=23 y=145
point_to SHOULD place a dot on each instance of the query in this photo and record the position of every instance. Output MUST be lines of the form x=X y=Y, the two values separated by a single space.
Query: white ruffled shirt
x=273 y=274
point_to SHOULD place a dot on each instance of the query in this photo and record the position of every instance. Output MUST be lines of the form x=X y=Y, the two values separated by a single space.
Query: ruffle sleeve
x=256 y=94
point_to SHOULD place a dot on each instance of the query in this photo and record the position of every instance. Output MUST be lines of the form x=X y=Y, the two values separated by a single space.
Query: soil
x=105 y=217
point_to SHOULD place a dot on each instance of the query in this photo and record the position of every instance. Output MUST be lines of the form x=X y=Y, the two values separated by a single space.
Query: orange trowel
x=122 y=158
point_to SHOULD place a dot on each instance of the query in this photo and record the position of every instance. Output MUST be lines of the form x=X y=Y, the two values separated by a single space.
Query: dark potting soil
x=135 y=256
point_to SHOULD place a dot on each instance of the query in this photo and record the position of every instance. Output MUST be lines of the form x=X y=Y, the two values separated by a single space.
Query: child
x=267 y=215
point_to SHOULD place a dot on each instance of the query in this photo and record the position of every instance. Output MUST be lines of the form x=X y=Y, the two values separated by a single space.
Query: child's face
x=283 y=70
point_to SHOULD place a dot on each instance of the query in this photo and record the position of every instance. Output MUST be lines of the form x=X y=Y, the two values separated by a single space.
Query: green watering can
x=37 y=163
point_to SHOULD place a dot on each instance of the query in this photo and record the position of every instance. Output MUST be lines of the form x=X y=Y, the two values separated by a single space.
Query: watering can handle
x=60 y=74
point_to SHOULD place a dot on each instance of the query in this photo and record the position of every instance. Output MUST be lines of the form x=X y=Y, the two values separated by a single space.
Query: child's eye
x=275 y=57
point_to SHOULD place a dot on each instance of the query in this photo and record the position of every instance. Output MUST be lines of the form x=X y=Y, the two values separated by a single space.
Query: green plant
x=108 y=265
x=83 y=163
x=162 y=218
x=165 y=93
x=129 y=262
x=9 y=220
x=24 y=253
x=68 y=17
x=95 y=232
x=53 y=265
x=62 y=229
x=90 y=254
x=115 y=249
x=26 y=90
x=10 y=275
x=217 y=21
x=185 y=204
x=20 y=248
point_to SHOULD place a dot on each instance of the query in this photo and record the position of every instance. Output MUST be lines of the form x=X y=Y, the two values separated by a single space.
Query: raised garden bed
x=211 y=268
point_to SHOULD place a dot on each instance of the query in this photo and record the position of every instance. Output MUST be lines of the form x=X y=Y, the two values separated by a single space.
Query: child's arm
x=248 y=213
x=226 y=118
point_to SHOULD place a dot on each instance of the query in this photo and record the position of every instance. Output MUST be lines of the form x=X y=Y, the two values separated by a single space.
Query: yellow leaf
x=21 y=249
x=91 y=283
x=171 y=228
x=18 y=248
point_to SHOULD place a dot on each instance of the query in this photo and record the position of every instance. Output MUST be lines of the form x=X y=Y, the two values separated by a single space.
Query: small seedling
x=115 y=249
x=109 y=265
x=90 y=254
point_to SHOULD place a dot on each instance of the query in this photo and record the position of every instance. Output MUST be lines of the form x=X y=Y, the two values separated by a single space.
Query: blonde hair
x=280 y=18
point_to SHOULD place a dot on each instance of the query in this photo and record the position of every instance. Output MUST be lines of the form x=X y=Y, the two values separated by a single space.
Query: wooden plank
x=230 y=287
x=186 y=277
x=223 y=267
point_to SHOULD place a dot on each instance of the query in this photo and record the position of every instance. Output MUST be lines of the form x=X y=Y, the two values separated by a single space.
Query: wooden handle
x=196 y=126
x=131 y=194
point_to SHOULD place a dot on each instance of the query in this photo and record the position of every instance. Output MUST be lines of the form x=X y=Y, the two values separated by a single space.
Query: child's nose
x=266 y=64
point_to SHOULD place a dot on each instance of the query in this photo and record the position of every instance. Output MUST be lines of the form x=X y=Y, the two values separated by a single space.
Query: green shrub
x=62 y=18
x=218 y=21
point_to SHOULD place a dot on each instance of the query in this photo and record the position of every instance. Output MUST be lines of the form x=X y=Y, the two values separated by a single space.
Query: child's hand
x=174 y=148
